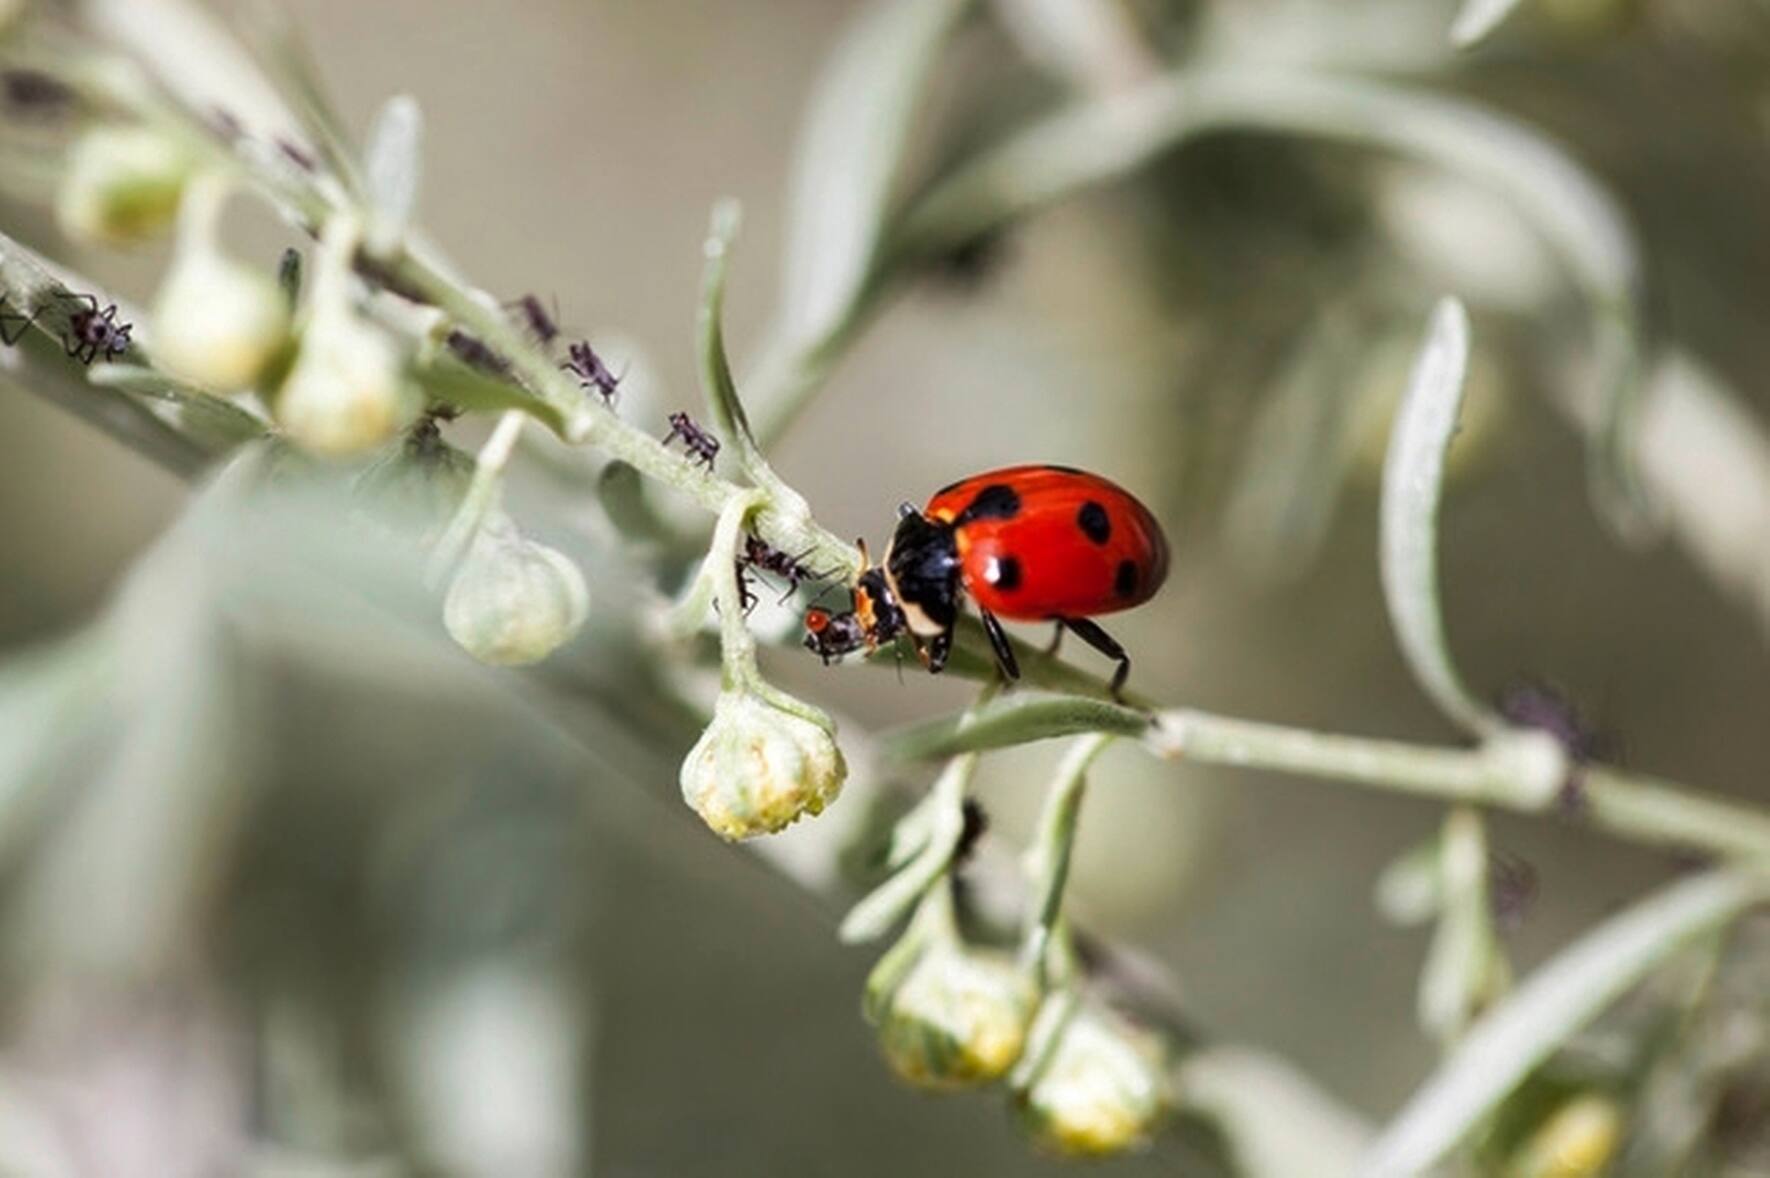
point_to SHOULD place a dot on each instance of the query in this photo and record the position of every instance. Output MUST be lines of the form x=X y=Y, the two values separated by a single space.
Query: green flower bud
x=1578 y=1140
x=122 y=185
x=348 y=390
x=760 y=765
x=218 y=324
x=514 y=601
x=958 y=1017
x=1099 y=1085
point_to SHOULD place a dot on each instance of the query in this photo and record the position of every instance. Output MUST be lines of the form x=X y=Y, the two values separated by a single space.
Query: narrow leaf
x=849 y=154
x=1413 y=476
x=392 y=163
x=1016 y=720
x=1477 y=19
x=1553 y=1004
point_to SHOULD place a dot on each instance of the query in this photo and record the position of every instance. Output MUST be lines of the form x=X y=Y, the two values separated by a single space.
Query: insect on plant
x=1028 y=543
x=592 y=373
x=760 y=554
x=700 y=443
x=94 y=333
x=541 y=324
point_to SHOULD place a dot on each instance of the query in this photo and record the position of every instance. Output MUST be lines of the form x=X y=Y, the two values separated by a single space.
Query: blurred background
x=435 y=923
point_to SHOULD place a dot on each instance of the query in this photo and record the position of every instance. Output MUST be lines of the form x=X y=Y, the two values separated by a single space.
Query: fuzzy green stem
x=1518 y=769
x=1047 y=861
x=479 y=499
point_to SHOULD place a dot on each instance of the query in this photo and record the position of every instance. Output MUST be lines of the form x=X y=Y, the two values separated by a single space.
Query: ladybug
x=1034 y=543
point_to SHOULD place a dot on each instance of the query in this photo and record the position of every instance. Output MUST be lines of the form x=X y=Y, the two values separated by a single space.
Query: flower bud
x=759 y=766
x=1578 y=1140
x=957 y=1018
x=514 y=601
x=348 y=390
x=122 y=185
x=218 y=324
x=1099 y=1086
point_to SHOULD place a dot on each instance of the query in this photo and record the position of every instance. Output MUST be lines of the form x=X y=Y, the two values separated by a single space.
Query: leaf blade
x=393 y=163
x=1552 y=1004
x=1413 y=481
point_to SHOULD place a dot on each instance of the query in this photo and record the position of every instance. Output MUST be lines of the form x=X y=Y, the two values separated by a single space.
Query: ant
x=747 y=598
x=760 y=554
x=473 y=352
x=298 y=155
x=700 y=444
x=30 y=91
x=541 y=325
x=591 y=372
x=23 y=324
x=94 y=333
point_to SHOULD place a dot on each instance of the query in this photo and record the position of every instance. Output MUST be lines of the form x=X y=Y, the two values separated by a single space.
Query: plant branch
x=1517 y=769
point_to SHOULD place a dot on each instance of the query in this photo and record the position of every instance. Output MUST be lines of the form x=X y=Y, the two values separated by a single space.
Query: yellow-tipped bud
x=122 y=185
x=218 y=324
x=348 y=391
x=514 y=601
x=759 y=766
x=957 y=1019
x=1578 y=1140
x=1100 y=1085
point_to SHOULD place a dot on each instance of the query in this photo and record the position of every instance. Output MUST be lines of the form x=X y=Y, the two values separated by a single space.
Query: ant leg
x=998 y=640
x=91 y=301
x=24 y=324
x=1056 y=638
x=1107 y=645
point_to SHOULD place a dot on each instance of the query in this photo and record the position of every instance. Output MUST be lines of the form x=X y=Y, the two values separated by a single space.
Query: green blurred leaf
x=393 y=163
x=51 y=705
x=1464 y=970
x=1478 y=18
x=1552 y=1004
x=1413 y=479
x=849 y=154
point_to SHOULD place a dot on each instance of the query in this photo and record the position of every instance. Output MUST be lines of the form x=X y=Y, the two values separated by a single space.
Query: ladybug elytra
x=1026 y=543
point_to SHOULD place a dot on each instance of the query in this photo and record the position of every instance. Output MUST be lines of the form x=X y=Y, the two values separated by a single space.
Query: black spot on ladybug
x=1003 y=573
x=996 y=501
x=1124 y=582
x=1094 y=522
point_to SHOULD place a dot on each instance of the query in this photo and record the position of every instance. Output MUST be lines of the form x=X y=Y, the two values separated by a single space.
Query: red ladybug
x=1028 y=543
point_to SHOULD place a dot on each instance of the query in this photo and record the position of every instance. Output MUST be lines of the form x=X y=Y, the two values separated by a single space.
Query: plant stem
x=1047 y=860
x=1518 y=769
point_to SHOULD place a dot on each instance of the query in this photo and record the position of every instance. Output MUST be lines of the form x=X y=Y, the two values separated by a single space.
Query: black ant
x=473 y=352
x=541 y=325
x=298 y=155
x=29 y=91
x=700 y=444
x=760 y=554
x=93 y=333
x=591 y=372
x=23 y=323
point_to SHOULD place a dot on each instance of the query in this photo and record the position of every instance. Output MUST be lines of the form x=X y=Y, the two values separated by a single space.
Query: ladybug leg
x=1056 y=638
x=1107 y=645
x=935 y=652
x=998 y=640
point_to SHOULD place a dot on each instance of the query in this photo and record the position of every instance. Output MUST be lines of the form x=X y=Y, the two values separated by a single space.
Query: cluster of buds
x=338 y=383
x=514 y=601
